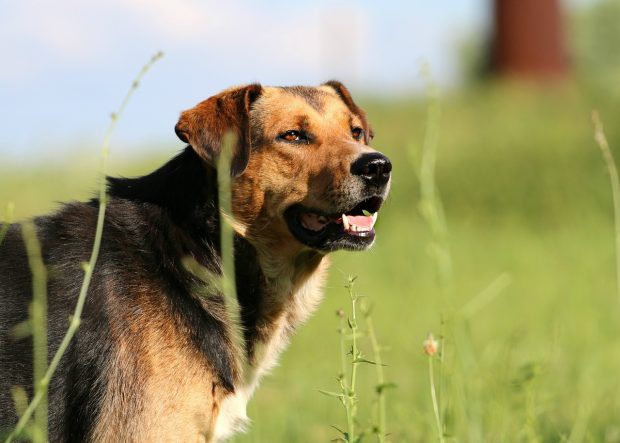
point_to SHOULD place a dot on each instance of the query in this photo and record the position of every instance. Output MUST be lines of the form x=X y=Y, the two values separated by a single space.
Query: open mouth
x=352 y=229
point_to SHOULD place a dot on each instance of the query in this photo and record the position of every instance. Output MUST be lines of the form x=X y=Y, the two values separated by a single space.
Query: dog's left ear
x=345 y=96
x=205 y=125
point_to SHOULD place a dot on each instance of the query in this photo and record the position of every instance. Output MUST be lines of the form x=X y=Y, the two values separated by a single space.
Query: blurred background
x=517 y=273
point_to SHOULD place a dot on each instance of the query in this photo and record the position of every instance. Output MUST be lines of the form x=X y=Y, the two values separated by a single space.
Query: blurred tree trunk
x=528 y=39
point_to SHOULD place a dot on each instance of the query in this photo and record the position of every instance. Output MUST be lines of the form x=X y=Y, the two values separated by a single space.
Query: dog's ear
x=205 y=125
x=345 y=96
x=342 y=92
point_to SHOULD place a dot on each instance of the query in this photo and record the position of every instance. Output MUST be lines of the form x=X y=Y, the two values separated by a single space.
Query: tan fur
x=170 y=388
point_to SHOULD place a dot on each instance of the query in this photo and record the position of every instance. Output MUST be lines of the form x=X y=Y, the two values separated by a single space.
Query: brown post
x=528 y=39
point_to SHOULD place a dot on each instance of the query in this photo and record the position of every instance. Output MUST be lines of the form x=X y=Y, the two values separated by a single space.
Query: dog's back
x=66 y=238
x=138 y=290
x=15 y=296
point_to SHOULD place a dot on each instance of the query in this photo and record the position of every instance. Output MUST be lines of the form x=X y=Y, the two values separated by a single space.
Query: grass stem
x=354 y=361
x=434 y=398
x=381 y=385
x=601 y=140
x=8 y=218
x=229 y=287
x=38 y=325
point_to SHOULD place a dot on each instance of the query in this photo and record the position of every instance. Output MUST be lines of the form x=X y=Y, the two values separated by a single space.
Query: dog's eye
x=357 y=133
x=293 y=136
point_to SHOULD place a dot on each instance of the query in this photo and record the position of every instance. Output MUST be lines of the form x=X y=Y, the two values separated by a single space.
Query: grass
x=349 y=395
x=601 y=140
x=37 y=324
x=528 y=204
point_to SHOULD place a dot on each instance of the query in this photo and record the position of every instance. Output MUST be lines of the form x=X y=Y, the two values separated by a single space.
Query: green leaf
x=20 y=398
x=331 y=394
x=388 y=385
x=21 y=330
x=363 y=360
x=338 y=429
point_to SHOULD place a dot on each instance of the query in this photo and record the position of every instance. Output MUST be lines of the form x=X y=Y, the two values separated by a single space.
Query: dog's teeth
x=374 y=217
x=345 y=222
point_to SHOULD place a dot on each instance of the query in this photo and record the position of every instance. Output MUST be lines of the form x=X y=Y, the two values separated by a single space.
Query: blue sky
x=66 y=64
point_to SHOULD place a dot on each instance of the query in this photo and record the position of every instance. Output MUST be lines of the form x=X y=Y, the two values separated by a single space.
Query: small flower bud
x=430 y=345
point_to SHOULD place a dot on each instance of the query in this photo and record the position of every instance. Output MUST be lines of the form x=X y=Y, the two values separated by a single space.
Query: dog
x=154 y=359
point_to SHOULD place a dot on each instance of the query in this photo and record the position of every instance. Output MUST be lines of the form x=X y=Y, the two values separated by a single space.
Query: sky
x=65 y=65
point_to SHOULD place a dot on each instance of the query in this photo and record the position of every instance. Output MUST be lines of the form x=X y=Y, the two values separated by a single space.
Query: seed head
x=430 y=345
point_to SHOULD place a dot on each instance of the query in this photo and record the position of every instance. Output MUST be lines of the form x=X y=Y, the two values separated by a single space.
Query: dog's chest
x=232 y=416
x=301 y=303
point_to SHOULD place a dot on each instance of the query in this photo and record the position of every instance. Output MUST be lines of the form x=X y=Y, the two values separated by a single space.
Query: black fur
x=151 y=223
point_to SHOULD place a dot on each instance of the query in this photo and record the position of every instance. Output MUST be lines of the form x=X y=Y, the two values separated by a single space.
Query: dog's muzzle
x=349 y=224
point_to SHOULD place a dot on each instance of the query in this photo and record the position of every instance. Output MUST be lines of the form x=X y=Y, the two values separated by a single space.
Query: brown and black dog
x=153 y=359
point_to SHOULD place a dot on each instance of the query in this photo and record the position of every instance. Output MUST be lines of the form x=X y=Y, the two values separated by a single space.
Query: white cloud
x=180 y=20
x=249 y=40
x=68 y=34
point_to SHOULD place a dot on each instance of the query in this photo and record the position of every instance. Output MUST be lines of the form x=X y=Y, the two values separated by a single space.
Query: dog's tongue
x=352 y=223
x=361 y=221
x=358 y=223
x=313 y=222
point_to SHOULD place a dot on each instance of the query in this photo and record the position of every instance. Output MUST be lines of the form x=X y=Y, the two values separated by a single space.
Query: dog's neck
x=276 y=290
x=273 y=306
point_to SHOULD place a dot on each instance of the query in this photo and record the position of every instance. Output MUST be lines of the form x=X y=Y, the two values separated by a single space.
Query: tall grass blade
x=38 y=326
x=8 y=218
x=381 y=384
x=486 y=296
x=601 y=140
x=229 y=287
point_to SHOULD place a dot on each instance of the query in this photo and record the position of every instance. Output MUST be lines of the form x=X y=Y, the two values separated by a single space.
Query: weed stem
x=434 y=398
x=601 y=140
x=376 y=349
x=354 y=361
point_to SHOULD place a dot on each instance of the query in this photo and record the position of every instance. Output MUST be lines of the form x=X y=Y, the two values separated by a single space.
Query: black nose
x=375 y=168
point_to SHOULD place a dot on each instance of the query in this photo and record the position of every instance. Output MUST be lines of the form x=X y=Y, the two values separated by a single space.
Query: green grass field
x=527 y=199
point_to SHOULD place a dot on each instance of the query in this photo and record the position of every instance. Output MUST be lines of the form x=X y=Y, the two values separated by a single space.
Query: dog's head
x=305 y=174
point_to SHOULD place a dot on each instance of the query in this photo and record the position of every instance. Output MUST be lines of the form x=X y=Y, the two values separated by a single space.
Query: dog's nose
x=375 y=168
